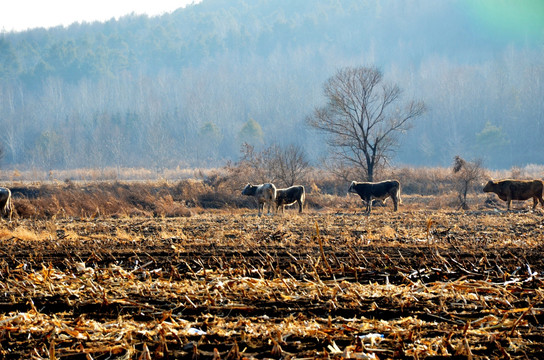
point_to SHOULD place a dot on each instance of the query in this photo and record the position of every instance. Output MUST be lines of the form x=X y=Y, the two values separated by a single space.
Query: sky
x=20 y=15
x=514 y=20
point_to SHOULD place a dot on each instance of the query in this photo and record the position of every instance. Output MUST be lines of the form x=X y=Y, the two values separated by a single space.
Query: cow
x=6 y=205
x=265 y=193
x=289 y=196
x=377 y=190
x=509 y=190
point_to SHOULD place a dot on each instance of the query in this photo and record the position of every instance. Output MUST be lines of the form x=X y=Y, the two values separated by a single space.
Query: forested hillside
x=189 y=87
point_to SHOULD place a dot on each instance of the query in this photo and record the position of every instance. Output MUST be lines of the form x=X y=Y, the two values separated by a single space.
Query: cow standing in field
x=6 y=206
x=289 y=196
x=265 y=193
x=509 y=190
x=377 y=190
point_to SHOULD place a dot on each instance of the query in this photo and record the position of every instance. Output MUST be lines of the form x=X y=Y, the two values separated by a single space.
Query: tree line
x=191 y=87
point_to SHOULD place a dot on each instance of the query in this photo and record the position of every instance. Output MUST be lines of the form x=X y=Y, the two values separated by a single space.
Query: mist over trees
x=190 y=87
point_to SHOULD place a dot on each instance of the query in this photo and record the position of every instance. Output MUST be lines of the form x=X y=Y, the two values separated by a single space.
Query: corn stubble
x=407 y=285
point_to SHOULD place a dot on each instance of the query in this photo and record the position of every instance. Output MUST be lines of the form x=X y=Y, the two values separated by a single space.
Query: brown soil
x=406 y=285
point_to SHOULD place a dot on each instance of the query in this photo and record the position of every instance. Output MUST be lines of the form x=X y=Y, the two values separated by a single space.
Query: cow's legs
x=395 y=203
x=299 y=206
x=508 y=202
x=541 y=201
x=369 y=206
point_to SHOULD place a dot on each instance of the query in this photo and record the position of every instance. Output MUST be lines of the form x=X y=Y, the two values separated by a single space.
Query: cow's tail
x=10 y=208
x=303 y=196
x=398 y=195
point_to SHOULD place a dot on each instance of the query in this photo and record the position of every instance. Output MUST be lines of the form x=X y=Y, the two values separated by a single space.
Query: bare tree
x=465 y=174
x=362 y=119
x=258 y=165
x=290 y=164
x=287 y=165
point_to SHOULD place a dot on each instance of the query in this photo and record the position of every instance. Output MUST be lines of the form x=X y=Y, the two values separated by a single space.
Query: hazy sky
x=18 y=15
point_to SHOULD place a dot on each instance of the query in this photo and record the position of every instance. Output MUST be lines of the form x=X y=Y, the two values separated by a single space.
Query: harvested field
x=409 y=285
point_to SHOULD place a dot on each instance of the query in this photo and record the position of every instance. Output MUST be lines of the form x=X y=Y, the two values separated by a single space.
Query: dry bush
x=235 y=177
x=326 y=182
x=534 y=171
x=221 y=189
x=90 y=200
x=166 y=206
x=191 y=190
x=112 y=199
x=421 y=181
x=24 y=208
x=466 y=175
x=531 y=171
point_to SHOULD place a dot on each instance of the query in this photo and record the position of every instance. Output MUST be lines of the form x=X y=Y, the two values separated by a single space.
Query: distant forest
x=188 y=88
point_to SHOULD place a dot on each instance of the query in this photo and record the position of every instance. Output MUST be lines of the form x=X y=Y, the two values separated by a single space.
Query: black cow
x=377 y=190
x=289 y=196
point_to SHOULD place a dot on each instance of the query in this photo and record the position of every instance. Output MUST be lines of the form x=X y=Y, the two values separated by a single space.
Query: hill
x=177 y=89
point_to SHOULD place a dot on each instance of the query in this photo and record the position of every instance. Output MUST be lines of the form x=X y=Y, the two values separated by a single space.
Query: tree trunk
x=370 y=172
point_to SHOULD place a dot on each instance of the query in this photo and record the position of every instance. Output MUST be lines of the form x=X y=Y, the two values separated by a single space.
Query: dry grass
x=412 y=284
x=186 y=269
x=105 y=174
x=25 y=234
x=200 y=190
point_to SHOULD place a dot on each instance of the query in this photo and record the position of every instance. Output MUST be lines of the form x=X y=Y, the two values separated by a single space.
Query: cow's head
x=352 y=187
x=249 y=190
x=246 y=189
x=489 y=186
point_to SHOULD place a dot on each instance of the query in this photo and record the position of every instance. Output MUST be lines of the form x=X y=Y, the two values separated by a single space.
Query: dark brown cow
x=377 y=190
x=509 y=190
x=6 y=206
x=265 y=193
x=289 y=196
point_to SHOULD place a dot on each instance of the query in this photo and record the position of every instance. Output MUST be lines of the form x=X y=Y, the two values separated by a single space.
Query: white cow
x=265 y=193
x=6 y=206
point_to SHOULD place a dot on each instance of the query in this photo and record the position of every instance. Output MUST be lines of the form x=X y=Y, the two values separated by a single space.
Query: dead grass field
x=226 y=284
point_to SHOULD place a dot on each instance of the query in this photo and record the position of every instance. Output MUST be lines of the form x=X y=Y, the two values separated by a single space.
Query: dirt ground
x=408 y=285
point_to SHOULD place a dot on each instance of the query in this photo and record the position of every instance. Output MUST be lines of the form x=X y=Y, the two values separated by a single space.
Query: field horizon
x=184 y=192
